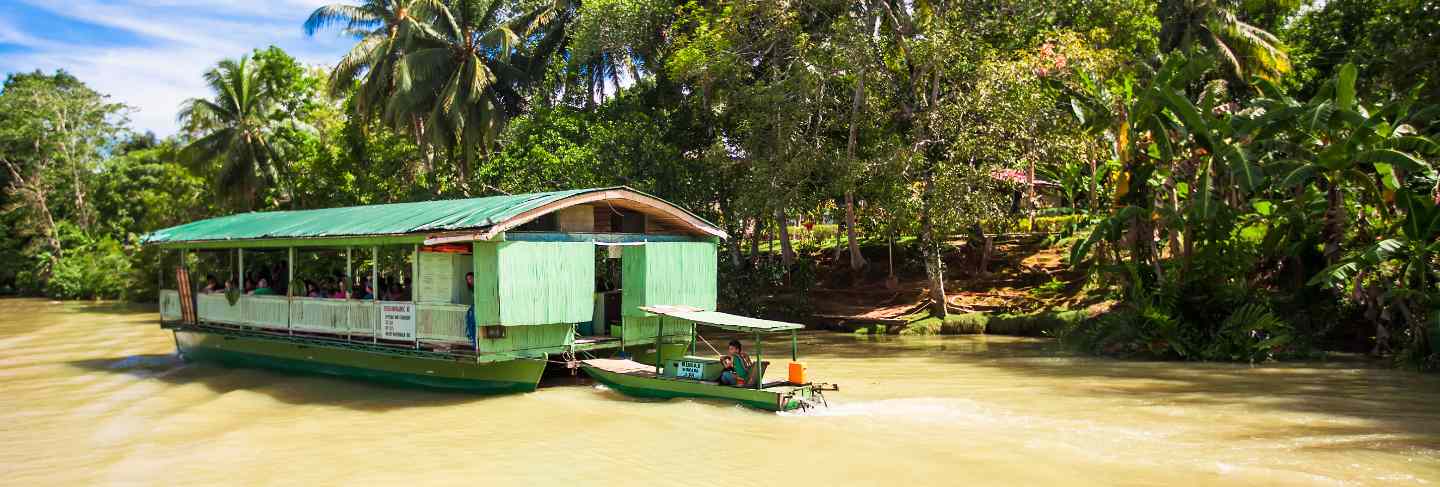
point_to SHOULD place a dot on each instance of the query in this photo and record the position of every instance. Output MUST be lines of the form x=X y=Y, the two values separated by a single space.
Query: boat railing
x=320 y=315
x=441 y=322
x=216 y=308
x=169 y=305
x=434 y=322
x=269 y=312
x=363 y=315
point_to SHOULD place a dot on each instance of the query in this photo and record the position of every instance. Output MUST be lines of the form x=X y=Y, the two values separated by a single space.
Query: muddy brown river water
x=93 y=394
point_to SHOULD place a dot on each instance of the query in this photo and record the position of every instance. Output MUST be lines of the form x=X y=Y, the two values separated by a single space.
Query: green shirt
x=738 y=362
x=264 y=291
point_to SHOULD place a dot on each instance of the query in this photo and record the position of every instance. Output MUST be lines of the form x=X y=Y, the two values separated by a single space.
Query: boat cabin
x=559 y=272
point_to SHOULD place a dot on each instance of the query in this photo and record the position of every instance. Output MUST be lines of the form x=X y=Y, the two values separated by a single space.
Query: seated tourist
x=737 y=366
x=366 y=292
x=311 y=290
x=211 y=285
x=263 y=288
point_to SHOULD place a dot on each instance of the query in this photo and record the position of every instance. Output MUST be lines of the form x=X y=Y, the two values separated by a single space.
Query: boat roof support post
x=375 y=291
x=290 y=289
x=240 y=257
x=414 y=279
x=659 y=349
x=475 y=299
x=794 y=345
x=758 y=370
x=349 y=281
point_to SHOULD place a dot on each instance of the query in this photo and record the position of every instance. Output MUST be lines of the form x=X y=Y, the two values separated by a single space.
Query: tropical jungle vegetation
x=1235 y=180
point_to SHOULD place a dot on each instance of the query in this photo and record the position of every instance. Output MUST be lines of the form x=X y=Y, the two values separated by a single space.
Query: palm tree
x=1212 y=24
x=238 y=125
x=379 y=26
x=463 y=71
x=448 y=72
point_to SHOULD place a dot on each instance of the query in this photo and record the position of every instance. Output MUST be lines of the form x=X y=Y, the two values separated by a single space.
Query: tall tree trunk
x=930 y=242
x=733 y=226
x=34 y=189
x=82 y=207
x=755 y=238
x=787 y=254
x=891 y=282
x=857 y=261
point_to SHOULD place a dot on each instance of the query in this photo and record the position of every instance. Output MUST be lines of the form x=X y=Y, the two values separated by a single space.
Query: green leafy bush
x=98 y=270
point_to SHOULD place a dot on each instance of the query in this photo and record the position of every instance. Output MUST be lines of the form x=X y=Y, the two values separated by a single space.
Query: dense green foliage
x=1247 y=180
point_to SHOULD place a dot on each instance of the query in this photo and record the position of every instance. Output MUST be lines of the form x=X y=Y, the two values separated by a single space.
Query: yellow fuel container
x=797 y=372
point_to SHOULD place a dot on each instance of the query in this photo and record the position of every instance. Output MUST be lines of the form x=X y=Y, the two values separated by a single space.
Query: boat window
x=544 y=223
x=320 y=274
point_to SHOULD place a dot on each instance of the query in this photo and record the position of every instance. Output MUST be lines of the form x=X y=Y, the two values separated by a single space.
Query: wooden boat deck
x=621 y=366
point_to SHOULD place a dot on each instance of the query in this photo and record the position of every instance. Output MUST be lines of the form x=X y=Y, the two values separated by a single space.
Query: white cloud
x=179 y=41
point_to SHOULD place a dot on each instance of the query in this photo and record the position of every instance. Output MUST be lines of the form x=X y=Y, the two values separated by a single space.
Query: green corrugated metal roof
x=388 y=219
x=722 y=320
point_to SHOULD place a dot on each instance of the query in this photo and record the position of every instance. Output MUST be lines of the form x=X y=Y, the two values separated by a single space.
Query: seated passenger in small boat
x=737 y=366
x=211 y=285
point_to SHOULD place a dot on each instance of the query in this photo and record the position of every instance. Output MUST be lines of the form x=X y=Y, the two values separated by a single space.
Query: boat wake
x=917 y=408
x=148 y=365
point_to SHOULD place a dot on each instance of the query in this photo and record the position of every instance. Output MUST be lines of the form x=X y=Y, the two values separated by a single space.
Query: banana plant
x=1154 y=125
x=1342 y=145
x=1405 y=262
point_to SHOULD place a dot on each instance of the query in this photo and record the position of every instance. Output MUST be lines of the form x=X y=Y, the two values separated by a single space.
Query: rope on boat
x=707 y=343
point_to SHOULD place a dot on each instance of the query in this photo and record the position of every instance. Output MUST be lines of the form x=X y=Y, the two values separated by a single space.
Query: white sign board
x=691 y=370
x=397 y=320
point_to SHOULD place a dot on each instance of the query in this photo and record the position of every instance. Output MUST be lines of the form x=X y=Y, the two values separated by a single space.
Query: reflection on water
x=95 y=395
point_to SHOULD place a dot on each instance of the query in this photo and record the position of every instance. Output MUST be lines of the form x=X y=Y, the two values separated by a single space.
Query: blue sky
x=150 y=54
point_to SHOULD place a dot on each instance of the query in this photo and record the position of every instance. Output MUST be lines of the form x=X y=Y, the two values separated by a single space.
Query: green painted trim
x=513 y=236
x=365 y=241
x=521 y=375
x=663 y=388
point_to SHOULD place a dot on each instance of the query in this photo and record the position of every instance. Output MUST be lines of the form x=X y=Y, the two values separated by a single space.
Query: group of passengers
x=260 y=284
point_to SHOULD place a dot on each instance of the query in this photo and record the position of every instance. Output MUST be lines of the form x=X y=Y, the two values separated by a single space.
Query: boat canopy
x=720 y=320
x=433 y=221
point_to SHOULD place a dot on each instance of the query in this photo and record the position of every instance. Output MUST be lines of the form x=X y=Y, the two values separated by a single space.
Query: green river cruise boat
x=382 y=292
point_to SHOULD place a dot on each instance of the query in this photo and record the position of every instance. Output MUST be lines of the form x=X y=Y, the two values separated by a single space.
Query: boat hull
x=519 y=375
x=660 y=388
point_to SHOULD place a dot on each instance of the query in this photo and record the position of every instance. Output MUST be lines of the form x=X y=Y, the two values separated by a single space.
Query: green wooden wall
x=529 y=340
x=487 y=283
x=645 y=328
x=677 y=273
x=534 y=283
